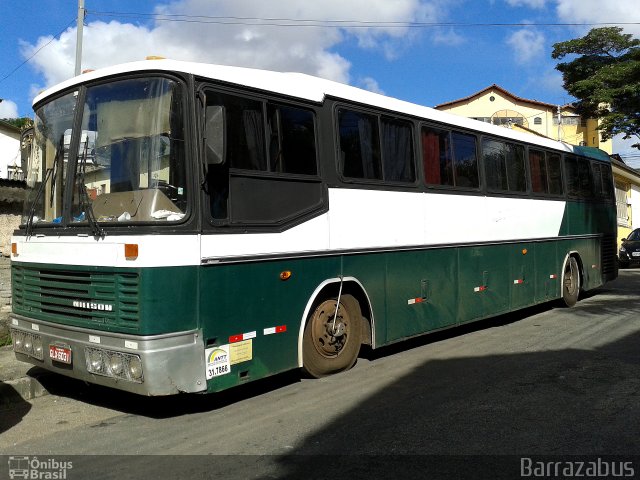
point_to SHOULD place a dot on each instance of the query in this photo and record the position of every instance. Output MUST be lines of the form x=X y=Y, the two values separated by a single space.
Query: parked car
x=630 y=249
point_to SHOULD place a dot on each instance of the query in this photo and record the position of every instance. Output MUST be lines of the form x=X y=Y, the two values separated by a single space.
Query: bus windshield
x=129 y=161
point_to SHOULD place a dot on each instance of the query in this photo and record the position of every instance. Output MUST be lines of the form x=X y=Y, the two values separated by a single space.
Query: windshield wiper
x=51 y=173
x=85 y=203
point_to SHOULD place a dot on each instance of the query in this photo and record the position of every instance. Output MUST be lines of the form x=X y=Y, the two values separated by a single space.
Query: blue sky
x=423 y=51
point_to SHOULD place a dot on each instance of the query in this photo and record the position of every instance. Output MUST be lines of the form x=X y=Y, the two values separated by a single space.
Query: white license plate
x=60 y=354
x=635 y=254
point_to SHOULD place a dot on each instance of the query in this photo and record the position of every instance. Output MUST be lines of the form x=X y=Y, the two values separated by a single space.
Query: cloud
x=527 y=45
x=600 y=11
x=448 y=38
x=8 y=109
x=283 y=48
x=536 y=4
x=370 y=84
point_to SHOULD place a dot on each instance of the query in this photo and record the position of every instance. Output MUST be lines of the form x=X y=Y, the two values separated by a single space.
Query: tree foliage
x=604 y=76
x=21 y=123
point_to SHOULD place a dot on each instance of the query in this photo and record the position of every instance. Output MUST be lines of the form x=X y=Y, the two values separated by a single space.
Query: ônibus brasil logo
x=34 y=468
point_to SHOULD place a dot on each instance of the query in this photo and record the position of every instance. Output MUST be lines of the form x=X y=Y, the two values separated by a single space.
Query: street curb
x=21 y=389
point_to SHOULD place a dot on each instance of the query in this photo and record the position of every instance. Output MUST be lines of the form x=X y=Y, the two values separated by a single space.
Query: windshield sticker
x=217 y=361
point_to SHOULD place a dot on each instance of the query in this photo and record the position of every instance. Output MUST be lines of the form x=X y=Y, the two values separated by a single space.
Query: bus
x=192 y=227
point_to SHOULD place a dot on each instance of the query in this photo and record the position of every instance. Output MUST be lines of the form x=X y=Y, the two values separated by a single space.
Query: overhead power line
x=37 y=51
x=299 y=22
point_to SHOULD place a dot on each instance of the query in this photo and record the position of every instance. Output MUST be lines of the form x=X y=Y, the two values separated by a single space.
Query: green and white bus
x=193 y=227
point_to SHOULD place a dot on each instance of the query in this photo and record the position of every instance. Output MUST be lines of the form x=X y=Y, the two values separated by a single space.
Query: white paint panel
x=309 y=236
x=375 y=218
x=153 y=250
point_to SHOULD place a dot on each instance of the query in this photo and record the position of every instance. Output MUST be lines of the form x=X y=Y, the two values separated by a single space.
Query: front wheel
x=571 y=285
x=331 y=340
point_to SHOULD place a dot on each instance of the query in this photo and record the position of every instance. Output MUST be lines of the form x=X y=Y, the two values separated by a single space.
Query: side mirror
x=215 y=134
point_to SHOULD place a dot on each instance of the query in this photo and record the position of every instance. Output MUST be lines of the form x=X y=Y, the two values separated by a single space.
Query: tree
x=605 y=78
x=19 y=122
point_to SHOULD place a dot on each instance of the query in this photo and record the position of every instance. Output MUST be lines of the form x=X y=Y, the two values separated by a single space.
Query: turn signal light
x=14 y=249
x=130 y=251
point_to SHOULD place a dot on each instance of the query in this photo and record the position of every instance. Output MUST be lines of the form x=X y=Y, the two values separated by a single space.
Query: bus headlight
x=118 y=365
x=27 y=343
x=135 y=368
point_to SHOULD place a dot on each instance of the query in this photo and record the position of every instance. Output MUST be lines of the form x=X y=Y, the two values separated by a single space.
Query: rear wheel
x=331 y=339
x=571 y=285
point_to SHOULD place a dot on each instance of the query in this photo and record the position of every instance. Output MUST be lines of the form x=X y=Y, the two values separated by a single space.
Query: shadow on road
x=11 y=399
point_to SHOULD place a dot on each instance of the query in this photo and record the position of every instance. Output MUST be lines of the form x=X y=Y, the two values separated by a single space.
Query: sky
x=423 y=51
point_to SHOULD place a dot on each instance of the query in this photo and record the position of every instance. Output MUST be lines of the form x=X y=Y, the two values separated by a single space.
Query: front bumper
x=171 y=363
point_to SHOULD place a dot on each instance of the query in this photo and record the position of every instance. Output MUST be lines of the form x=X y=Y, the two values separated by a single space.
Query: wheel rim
x=329 y=334
x=571 y=277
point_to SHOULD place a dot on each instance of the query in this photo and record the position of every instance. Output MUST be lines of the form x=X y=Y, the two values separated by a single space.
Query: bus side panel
x=421 y=292
x=484 y=274
x=249 y=308
x=522 y=280
x=548 y=271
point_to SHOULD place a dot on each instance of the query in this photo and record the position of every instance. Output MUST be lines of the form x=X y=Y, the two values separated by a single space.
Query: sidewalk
x=18 y=380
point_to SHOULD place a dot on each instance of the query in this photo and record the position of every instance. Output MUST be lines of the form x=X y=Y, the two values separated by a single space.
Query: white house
x=9 y=148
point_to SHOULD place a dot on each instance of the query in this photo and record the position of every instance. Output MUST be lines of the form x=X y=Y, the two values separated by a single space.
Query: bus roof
x=315 y=89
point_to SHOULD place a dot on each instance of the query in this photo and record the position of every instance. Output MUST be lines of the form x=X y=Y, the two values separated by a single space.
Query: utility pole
x=81 y=13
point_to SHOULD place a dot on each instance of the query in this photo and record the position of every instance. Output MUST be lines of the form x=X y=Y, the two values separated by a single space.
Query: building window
x=567 y=120
x=621 y=204
x=537 y=121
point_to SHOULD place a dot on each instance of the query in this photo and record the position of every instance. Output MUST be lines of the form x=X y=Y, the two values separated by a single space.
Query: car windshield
x=634 y=236
x=130 y=161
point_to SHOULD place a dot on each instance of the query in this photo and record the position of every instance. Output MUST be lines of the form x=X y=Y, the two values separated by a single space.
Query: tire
x=330 y=347
x=571 y=282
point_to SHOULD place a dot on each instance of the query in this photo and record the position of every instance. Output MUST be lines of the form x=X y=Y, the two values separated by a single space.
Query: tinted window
x=546 y=172
x=292 y=144
x=449 y=158
x=504 y=166
x=397 y=151
x=603 y=182
x=359 y=145
x=579 y=180
x=554 y=172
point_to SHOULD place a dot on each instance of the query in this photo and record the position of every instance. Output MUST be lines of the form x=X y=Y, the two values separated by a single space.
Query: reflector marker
x=413 y=301
x=553 y=275
x=481 y=288
x=272 y=330
x=518 y=281
x=242 y=336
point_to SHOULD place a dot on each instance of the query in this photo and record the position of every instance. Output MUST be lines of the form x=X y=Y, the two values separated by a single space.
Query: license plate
x=635 y=254
x=60 y=354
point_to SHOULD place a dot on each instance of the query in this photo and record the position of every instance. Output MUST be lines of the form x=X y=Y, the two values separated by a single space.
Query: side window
x=261 y=162
x=546 y=172
x=603 y=182
x=573 y=181
x=397 y=150
x=449 y=158
x=538 y=168
x=437 y=156
x=292 y=142
x=554 y=171
x=579 y=177
x=359 y=145
x=504 y=166
x=245 y=145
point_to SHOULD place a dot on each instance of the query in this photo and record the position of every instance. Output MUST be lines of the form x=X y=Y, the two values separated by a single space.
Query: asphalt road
x=548 y=381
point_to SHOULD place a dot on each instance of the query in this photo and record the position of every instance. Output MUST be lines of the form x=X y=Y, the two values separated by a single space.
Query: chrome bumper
x=171 y=363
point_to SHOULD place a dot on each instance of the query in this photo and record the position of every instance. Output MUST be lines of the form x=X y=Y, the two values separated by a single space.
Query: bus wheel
x=571 y=286
x=331 y=339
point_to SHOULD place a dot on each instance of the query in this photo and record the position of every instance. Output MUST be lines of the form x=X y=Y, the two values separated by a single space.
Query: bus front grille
x=77 y=297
